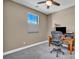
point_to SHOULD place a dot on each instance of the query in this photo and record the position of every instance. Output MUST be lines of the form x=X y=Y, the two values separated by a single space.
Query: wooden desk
x=69 y=41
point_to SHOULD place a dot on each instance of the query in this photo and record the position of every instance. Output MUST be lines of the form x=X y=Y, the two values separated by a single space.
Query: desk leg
x=49 y=39
x=70 y=48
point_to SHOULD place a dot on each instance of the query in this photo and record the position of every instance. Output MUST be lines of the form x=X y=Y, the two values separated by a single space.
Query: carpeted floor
x=39 y=52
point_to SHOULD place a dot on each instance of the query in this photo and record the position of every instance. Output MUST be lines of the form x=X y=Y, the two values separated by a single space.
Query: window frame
x=35 y=15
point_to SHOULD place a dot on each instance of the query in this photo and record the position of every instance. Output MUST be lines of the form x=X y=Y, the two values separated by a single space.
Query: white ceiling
x=42 y=7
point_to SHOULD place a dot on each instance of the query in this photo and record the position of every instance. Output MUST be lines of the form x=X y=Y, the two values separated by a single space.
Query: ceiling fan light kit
x=48 y=3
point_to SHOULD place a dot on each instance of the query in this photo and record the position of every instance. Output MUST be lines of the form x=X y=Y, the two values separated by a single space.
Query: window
x=33 y=23
x=32 y=18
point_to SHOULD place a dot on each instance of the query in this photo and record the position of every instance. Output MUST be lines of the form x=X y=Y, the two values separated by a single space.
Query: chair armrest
x=62 y=37
x=49 y=40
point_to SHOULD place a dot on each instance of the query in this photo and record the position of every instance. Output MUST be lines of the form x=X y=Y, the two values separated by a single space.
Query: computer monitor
x=62 y=29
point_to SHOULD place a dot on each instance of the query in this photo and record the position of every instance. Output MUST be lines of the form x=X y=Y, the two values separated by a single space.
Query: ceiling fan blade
x=55 y=3
x=41 y=2
x=48 y=7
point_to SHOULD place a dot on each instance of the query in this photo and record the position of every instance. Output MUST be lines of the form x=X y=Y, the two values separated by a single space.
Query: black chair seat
x=57 y=43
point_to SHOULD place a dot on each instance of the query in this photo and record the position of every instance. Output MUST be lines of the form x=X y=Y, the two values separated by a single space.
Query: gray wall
x=15 y=26
x=65 y=18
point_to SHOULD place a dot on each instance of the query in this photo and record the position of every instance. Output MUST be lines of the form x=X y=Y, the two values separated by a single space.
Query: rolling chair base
x=57 y=50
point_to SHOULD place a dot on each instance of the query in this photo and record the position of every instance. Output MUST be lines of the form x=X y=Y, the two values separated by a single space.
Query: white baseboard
x=25 y=47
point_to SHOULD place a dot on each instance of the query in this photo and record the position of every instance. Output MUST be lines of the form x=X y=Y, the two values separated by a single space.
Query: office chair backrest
x=71 y=35
x=56 y=35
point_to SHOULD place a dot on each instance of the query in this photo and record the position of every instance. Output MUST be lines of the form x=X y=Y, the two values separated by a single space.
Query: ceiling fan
x=49 y=3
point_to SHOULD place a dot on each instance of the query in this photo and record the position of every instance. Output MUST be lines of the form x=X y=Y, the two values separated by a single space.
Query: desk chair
x=70 y=35
x=56 y=40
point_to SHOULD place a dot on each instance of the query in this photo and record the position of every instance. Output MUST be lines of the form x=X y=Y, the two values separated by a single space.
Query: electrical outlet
x=24 y=42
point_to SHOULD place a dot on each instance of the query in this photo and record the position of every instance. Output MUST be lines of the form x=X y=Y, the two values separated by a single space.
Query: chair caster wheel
x=63 y=53
x=50 y=51
x=57 y=56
